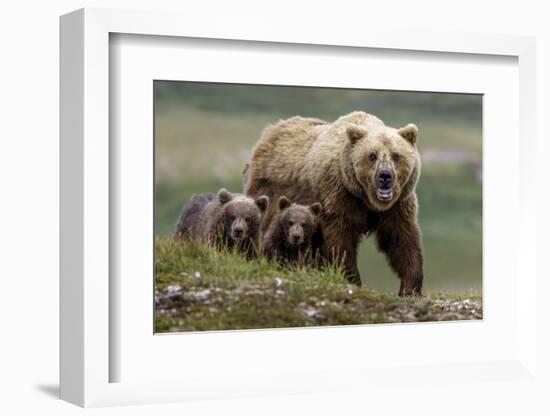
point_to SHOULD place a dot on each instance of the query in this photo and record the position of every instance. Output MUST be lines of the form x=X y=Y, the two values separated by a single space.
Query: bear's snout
x=384 y=178
x=296 y=235
x=238 y=229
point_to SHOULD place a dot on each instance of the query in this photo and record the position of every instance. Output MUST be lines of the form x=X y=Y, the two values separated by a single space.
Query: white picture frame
x=86 y=353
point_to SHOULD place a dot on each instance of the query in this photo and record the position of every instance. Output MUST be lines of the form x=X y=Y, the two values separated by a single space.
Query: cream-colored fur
x=338 y=164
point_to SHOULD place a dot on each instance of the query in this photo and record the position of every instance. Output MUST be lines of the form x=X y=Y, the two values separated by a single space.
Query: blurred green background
x=204 y=133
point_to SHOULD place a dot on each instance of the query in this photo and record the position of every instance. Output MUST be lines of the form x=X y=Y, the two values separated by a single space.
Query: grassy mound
x=200 y=288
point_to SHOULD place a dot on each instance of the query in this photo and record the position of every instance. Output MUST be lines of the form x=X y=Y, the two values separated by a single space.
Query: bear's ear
x=262 y=202
x=284 y=203
x=316 y=208
x=409 y=133
x=355 y=133
x=224 y=196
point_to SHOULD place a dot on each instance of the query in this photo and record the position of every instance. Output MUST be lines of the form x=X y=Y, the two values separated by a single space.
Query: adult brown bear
x=364 y=174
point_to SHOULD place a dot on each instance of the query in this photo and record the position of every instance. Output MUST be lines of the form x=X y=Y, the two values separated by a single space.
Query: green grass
x=223 y=266
x=200 y=288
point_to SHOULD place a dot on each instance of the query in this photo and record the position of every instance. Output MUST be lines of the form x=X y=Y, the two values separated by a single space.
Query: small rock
x=197 y=275
x=312 y=312
x=201 y=295
x=278 y=281
x=184 y=274
x=172 y=290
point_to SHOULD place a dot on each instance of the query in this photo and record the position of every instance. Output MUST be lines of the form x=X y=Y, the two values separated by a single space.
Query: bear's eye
x=247 y=219
x=291 y=223
x=395 y=157
x=232 y=218
x=373 y=157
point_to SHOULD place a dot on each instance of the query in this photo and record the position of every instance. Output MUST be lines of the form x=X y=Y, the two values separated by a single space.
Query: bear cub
x=190 y=214
x=289 y=237
x=225 y=219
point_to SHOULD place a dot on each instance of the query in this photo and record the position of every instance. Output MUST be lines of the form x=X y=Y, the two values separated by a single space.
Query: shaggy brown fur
x=289 y=237
x=190 y=214
x=231 y=220
x=363 y=172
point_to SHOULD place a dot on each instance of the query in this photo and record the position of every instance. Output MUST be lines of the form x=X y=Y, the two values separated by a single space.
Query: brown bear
x=289 y=236
x=190 y=214
x=364 y=174
x=225 y=219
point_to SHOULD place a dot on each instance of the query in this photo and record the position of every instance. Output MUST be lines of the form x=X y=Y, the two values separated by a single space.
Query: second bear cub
x=288 y=237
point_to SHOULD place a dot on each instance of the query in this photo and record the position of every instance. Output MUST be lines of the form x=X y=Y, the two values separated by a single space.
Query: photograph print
x=291 y=206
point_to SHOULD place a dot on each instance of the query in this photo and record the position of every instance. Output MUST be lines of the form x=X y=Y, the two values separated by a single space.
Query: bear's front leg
x=399 y=237
x=340 y=247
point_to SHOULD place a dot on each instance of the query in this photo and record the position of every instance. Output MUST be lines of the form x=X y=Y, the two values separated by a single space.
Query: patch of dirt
x=342 y=305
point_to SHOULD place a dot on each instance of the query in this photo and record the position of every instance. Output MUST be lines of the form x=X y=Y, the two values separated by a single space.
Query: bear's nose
x=237 y=231
x=384 y=178
x=296 y=239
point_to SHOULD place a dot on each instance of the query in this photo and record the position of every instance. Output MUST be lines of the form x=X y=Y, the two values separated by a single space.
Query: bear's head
x=298 y=221
x=380 y=164
x=241 y=216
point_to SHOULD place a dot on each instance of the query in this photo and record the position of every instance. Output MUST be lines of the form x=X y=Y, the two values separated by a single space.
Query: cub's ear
x=355 y=133
x=224 y=196
x=262 y=202
x=316 y=208
x=284 y=203
x=409 y=133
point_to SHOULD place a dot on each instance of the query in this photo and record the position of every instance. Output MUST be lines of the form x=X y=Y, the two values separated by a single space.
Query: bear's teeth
x=384 y=194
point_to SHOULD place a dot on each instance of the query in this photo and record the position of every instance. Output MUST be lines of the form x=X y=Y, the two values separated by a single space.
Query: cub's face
x=242 y=215
x=298 y=221
x=383 y=162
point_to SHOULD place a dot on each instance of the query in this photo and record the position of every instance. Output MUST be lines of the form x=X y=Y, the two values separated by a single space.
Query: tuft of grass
x=199 y=288
x=224 y=266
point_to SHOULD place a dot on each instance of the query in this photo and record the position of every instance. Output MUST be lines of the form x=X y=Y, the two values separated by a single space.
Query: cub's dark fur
x=290 y=237
x=225 y=219
x=190 y=213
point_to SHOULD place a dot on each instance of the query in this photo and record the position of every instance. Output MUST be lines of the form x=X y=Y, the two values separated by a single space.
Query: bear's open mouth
x=384 y=194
